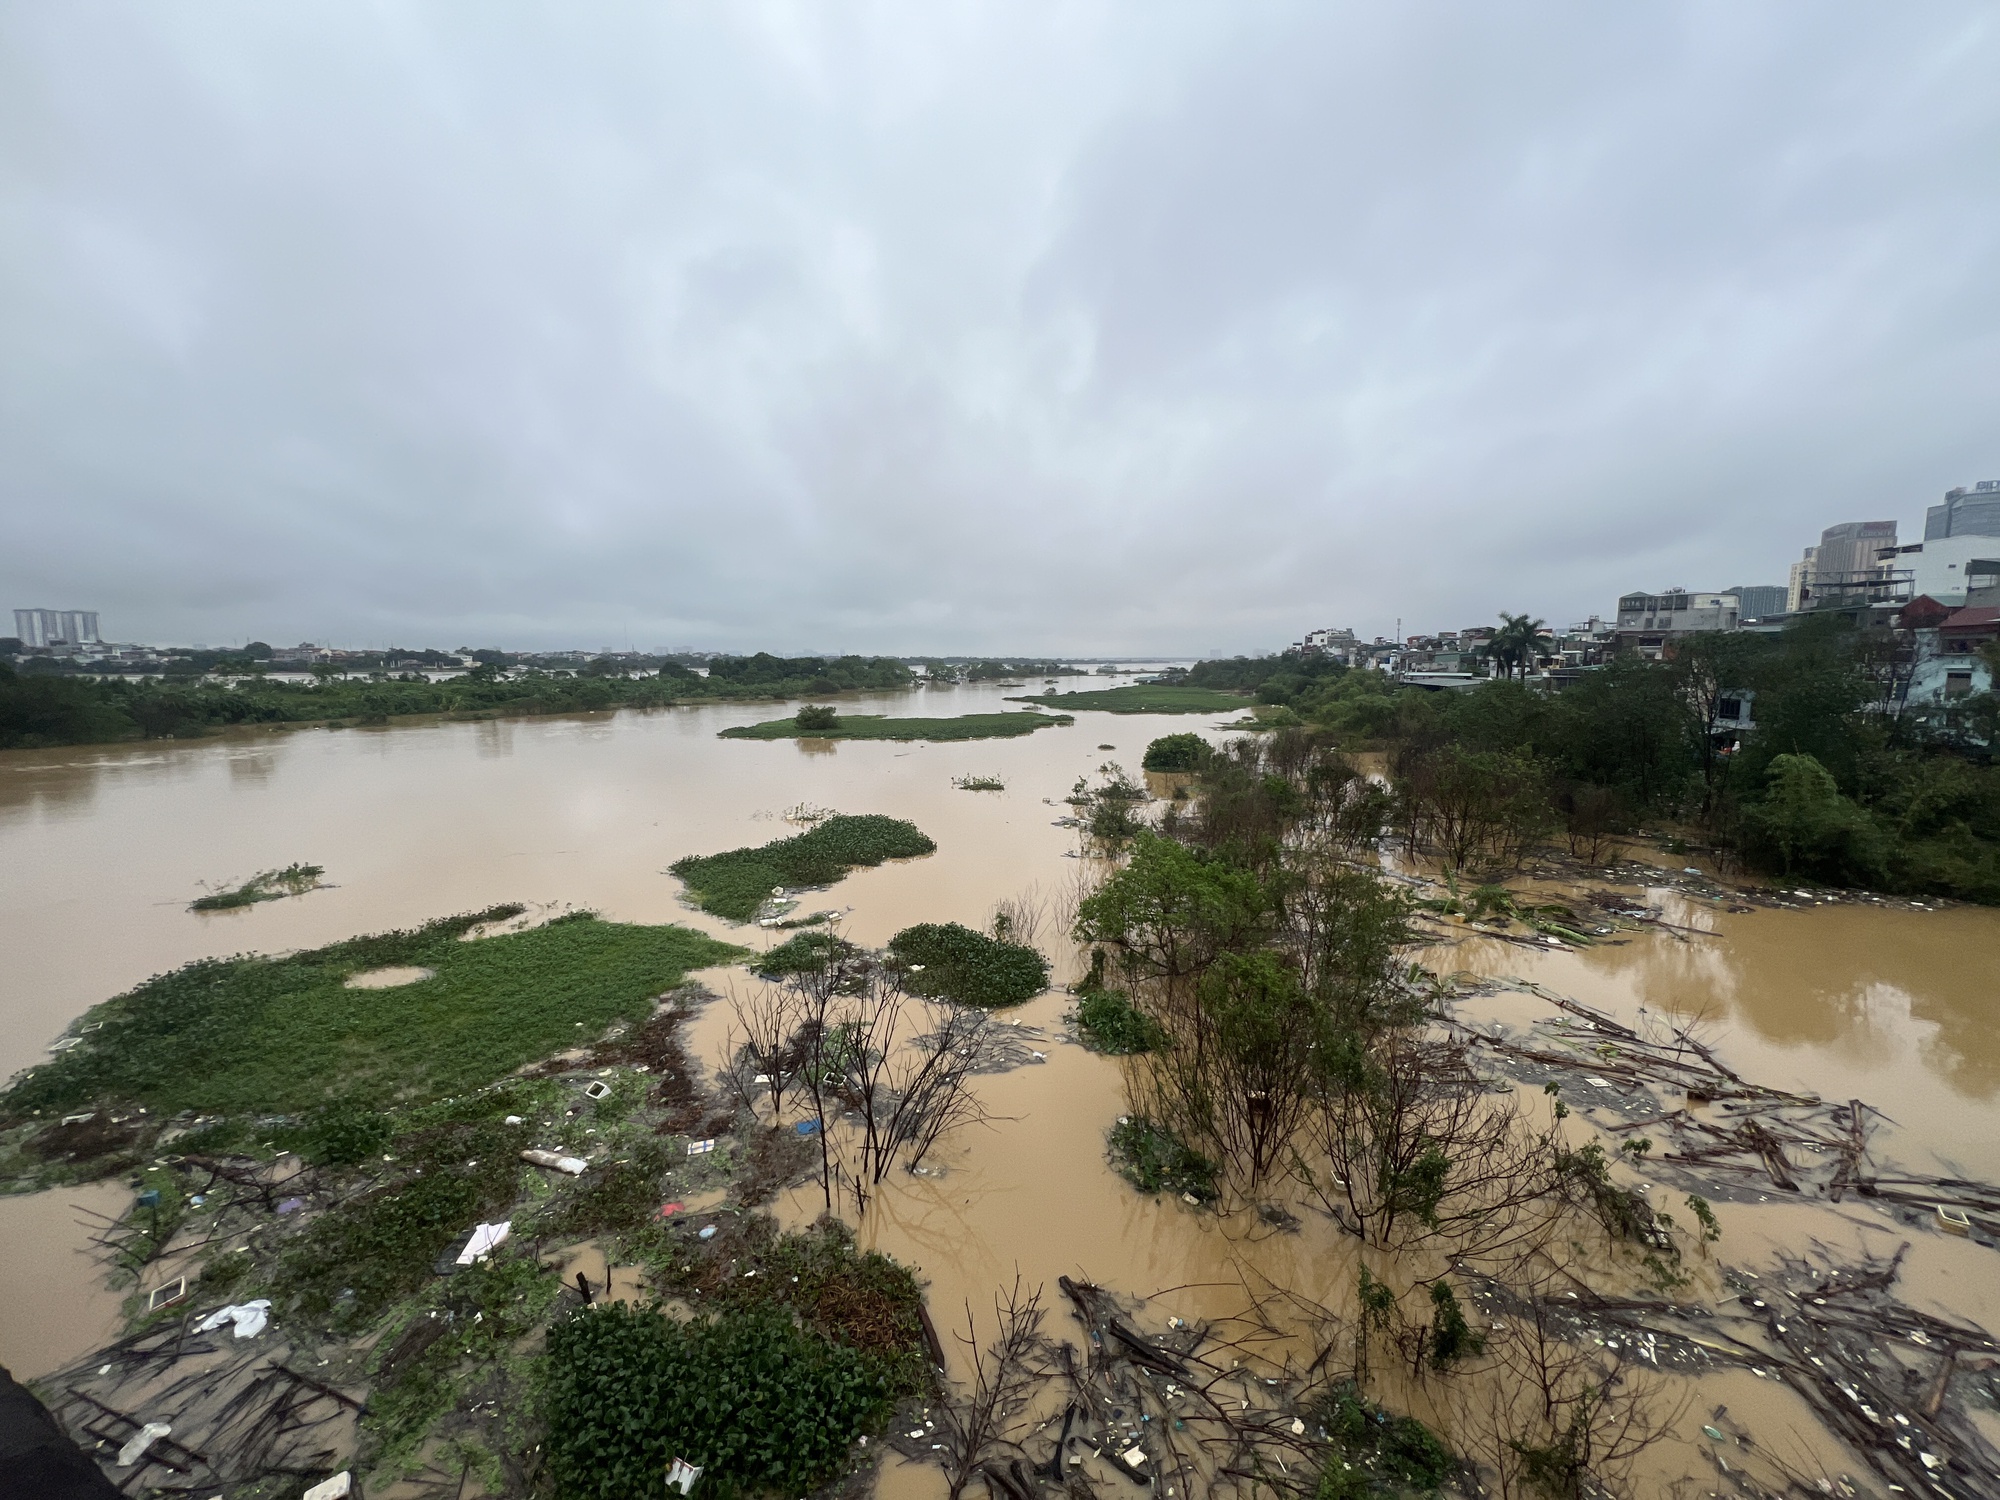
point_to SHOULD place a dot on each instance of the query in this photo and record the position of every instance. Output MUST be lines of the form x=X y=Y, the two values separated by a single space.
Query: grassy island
x=1141 y=698
x=734 y=884
x=250 y=1034
x=876 y=727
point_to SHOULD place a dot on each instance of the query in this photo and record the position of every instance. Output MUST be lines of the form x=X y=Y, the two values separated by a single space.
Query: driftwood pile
x=1180 y=1414
x=1896 y=1384
x=239 y=1412
x=1721 y=1134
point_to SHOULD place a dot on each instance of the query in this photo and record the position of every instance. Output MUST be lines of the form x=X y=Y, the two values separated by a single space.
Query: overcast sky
x=951 y=326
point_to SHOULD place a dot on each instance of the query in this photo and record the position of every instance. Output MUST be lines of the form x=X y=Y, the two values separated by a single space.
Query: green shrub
x=804 y=954
x=952 y=962
x=1154 y=1160
x=756 y=1402
x=734 y=884
x=1177 y=752
x=815 y=718
x=1111 y=1023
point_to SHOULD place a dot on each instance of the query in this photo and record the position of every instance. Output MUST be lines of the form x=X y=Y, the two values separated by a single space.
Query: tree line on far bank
x=44 y=709
x=1827 y=785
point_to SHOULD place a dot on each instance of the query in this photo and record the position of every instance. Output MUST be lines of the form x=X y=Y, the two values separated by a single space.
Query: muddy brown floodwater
x=101 y=851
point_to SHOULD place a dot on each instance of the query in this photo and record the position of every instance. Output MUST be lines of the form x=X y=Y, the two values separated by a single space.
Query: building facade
x=1755 y=601
x=56 y=627
x=1649 y=623
x=1973 y=511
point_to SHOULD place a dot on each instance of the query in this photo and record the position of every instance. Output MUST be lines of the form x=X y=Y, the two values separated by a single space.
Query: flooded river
x=101 y=851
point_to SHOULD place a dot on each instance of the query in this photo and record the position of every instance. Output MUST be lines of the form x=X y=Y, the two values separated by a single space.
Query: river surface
x=101 y=850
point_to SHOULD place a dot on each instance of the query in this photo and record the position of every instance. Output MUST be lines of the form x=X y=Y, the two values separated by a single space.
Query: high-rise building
x=1965 y=512
x=56 y=627
x=1754 y=601
x=1847 y=561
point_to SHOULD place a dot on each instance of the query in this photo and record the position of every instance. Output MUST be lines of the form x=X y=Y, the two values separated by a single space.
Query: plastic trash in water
x=1714 y=1433
x=681 y=1475
x=337 y=1488
x=807 y=1127
x=707 y=1234
x=150 y=1198
x=291 y=1205
x=667 y=1210
x=136 y=1446
x=486 y=1238
x=700 y=1148
x=249 y=1318
x=515 y=1120
x=596 y=1089
x=173 y=1291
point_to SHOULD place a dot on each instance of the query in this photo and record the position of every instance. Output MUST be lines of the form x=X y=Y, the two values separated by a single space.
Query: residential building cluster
x=1935 y=603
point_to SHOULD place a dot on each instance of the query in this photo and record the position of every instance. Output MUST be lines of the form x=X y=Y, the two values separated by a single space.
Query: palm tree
x=1517 y=642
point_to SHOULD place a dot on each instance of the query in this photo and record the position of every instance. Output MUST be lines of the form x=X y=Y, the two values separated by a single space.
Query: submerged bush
x=1111 y=1023
x=806 y=953
x=1177 y=752
x=734 y=884
x=755 y=1401
x=1155 y=1160
x=1375 y=1451
x=952 y=962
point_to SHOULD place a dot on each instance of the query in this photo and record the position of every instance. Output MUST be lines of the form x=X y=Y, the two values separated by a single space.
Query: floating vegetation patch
x=807 y=953
x=757 y=1402
x=952 y=962
x=735 y=884
x=229 y=1036
x=1141 y=698
x=979 y=783
x=875 y=727
x=270 y=885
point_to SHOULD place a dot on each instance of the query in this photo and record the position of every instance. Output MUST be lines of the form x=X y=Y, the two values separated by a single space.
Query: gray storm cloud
x=959 y=327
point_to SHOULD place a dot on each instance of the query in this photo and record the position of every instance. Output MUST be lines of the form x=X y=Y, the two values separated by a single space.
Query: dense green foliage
x=1376 y=1452
x=875 y=727
x=454 y=1168
x=758 y=1403
x=1155 y=1160
x=736 y=883
x=258 y=1035
x=1176 y=752
x=952 y=962
x=807 y=953
x=801 y=676
x=46 y=709
x=1140 y=698
x=987 y=669
x=816 y=718
x=1826 y=786
x=1111 y=1023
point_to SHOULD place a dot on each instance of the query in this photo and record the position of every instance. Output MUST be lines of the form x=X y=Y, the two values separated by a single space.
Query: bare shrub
x=980 y=1420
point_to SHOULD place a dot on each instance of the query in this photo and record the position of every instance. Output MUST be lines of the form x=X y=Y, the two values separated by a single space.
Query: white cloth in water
x=247 y=1316
x=336 y=1488
x=486 y=1238
x=140 y=1441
